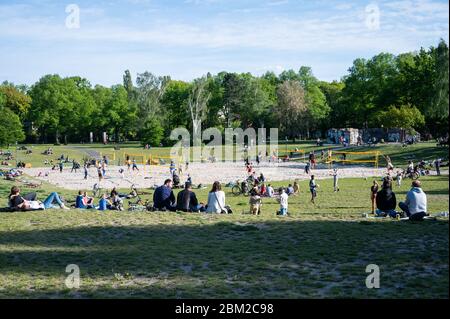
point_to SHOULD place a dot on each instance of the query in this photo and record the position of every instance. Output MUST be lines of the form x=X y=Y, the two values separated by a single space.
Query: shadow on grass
x=225 y=259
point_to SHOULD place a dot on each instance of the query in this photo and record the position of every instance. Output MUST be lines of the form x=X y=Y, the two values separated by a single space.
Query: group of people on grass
x=384 y=202
x=164 y=199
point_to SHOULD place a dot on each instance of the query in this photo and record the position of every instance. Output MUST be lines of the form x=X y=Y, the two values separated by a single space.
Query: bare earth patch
x=201 y=173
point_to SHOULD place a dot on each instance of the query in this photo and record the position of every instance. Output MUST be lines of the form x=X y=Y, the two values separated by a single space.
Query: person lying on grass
x=17 y=202
x=415 y=205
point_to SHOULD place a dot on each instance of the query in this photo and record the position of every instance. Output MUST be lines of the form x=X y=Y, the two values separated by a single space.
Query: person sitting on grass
x=216 y=200
x=104 y=203
x=163 y=198
x=263 y=189
x=283 y=200
x=83 y=201
x=290 y=190
x=116 y=199
x=255 y=201
x=386 y=200
x=270 y=191
x=187 y=200
x=17 y=202
x=415 y=205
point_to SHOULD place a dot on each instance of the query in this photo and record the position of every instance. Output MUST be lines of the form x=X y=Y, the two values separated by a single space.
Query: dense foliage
x=409 y=90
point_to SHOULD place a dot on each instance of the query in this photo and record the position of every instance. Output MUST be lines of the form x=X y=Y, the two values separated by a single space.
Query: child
x=312 y=187
x=122 y=172
x=283 y=200
x=373 y=195
x=399 y=178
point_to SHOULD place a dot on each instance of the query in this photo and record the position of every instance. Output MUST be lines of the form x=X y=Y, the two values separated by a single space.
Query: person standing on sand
x=104 y=168
x=135 y=166
x=85 y=170
x=100 y=174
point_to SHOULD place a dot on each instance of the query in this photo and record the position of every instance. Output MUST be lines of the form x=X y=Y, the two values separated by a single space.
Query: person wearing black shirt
x=386 y=201
x=187 y=200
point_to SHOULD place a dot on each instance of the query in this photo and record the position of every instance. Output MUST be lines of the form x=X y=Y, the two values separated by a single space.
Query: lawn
x=319 y=251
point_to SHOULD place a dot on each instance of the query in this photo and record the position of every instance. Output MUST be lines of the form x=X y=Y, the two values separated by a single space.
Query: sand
x=201 y=173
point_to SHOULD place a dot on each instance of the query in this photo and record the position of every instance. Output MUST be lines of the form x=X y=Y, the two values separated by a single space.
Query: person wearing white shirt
x=216 y=200
x=283 y=199
x=269 y=191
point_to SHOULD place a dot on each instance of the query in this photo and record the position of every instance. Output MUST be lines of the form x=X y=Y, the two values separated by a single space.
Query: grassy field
x=398 y=154
x=319 y=251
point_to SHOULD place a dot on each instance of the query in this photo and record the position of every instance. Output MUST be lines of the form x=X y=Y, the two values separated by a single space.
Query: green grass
x=318 y=251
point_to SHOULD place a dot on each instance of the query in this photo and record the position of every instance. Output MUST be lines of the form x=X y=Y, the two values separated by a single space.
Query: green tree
x=153 y=133
x=441 y=85
x=405 y=116
x=11 y=130
x=15 y=100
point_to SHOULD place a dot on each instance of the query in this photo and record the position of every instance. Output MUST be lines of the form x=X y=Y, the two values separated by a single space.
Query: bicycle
x=240 y=188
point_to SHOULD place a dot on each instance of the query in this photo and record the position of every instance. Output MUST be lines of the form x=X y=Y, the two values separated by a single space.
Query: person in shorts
x=313 y=189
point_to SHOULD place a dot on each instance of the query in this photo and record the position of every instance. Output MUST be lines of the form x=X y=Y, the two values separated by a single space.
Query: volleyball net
x=370 y=157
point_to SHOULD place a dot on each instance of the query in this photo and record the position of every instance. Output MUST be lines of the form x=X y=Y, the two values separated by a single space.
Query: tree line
x=408 y=90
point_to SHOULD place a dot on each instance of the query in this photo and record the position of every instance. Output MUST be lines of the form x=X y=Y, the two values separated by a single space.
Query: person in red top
x=263 y=189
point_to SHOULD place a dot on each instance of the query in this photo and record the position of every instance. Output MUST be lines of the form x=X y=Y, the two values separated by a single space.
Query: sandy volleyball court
x=204 y=173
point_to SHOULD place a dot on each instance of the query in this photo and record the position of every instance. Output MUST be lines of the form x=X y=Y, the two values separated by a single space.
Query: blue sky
x=188 y=38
